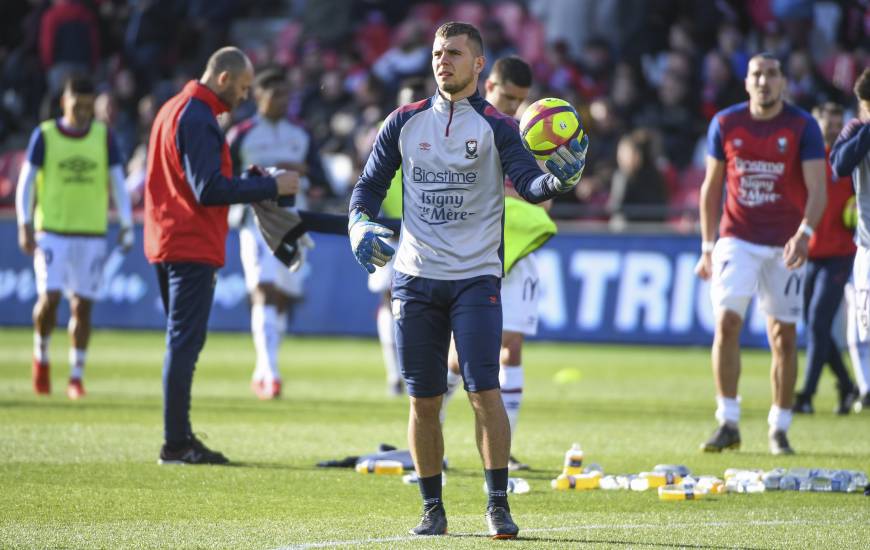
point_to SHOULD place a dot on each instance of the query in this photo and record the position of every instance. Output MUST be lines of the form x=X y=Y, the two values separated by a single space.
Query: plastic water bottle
x=573 y=461
x=737 y=485
x=516 y=485
x=381 y=467
x=658 y=479
x=858 y=482
x=594 y=467
x=711 y=484
x=772 y=479
x=680 y=492
x=608 y=483
x=679 y=469
x=639 y=484
x=582 y=482
x=789 y=482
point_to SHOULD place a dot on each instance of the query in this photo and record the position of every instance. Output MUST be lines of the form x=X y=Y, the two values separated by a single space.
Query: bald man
x=188 y=186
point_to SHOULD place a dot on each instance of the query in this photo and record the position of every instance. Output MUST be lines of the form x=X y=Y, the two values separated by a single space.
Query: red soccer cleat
x=267 y=390
x=41 y=378
x=75 y=390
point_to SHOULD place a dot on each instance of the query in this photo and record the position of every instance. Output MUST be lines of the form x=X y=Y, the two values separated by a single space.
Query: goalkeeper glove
x=369 y=250
x=567 y=163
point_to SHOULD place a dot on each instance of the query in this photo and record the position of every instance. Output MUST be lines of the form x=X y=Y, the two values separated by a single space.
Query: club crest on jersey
x=737 y=142
x=471 y=148
x=781 y=144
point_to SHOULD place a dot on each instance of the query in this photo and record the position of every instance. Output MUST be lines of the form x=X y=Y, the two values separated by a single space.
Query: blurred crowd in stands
x=645 y=75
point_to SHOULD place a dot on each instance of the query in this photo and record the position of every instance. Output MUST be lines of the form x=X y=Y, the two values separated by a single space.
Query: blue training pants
x=187 y=290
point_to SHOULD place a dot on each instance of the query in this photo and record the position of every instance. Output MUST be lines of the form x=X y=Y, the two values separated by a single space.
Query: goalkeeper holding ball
x=454 y=150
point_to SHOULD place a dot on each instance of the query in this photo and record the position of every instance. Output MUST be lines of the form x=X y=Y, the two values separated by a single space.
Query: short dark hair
x=862 y=85
x=828 y=107
x=512 y=69
x=768 y=56
x=79 y=84
x=269 y=78
x=230 y=59
x=455 y=28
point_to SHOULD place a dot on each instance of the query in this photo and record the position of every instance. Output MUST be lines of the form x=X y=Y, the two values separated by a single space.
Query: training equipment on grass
x=382 y=467
x=548 y=124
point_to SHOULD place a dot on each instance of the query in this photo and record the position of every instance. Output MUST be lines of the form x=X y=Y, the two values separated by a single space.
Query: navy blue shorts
x=427 y=310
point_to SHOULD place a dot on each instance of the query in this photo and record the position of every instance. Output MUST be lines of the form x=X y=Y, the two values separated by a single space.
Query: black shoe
x=193 y=453
x=803 y=404
x=432 y=522
x=725 y=437
x=500 y=523
x=862 y=404
x=778 y=443
x=847 y=399
x=515 y=465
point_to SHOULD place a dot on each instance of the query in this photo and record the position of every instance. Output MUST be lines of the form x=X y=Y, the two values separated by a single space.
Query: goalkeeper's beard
x=456 y=87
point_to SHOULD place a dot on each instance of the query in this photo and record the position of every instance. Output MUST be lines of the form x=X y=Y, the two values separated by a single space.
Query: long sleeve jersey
x=851 y=155
x=454 y=157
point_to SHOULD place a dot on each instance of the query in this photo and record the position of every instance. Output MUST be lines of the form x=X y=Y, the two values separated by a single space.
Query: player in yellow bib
x=62 y=200
x=526 y=228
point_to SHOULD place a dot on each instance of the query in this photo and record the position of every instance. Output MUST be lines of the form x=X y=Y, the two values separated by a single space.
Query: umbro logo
x=737 y=142
x=425 y=146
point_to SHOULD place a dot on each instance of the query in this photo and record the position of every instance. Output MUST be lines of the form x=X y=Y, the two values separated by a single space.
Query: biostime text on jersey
x=758 y=181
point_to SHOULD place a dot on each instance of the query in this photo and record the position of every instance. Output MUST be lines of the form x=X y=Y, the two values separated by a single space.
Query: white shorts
x=741 y=269
x=861 y=280
x=520 y=293
x=73 y=264
x=262 y=267
x=382 y=279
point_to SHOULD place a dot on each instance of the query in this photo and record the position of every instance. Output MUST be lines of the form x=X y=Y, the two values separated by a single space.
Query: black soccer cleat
x=433 y=522
x=724 y=438
x=500 y=523
x=193 y=453
x=515 y=465
x=778 y=443
x=846 y=401
x=803 y=404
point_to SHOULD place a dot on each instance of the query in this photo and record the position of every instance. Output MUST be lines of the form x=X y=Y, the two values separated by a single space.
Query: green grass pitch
x=84 y=474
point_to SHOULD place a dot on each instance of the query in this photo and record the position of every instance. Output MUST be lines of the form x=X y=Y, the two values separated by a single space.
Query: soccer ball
x=850 y=213
x=548 y=124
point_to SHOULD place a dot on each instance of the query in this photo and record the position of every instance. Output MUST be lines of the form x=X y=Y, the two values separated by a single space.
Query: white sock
x=728 y=410
x=453 y=382
x=386 y=334
x=267 y=338
x=510 y=377
x=859 y=352
x=77 y=362
x=40 y=347
x=779 y=419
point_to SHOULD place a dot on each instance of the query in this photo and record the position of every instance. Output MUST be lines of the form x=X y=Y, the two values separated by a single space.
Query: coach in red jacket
x=188 y=186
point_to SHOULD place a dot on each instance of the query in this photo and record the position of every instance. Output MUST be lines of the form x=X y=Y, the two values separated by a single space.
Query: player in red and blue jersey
x=771 y=156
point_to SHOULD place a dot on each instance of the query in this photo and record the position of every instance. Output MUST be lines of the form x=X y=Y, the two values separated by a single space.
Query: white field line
x=360 y=542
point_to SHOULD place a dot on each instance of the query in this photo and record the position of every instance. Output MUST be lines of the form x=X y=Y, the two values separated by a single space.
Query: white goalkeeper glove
x=369 y=250
x=567 y=163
